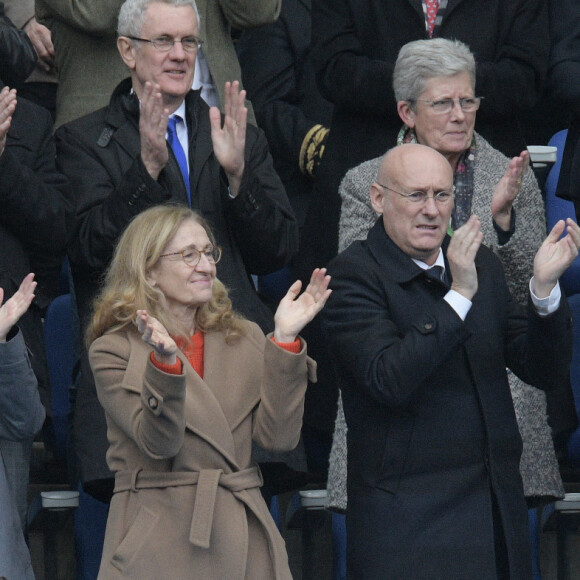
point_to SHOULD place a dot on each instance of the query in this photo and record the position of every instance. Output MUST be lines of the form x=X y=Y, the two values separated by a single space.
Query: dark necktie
x=178 y=152
x=436 y=273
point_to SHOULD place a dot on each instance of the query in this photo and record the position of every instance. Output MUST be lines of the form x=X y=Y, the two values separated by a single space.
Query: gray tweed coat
x=538 y=465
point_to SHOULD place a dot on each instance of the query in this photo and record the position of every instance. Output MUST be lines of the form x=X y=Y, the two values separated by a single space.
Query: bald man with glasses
x=421 y=327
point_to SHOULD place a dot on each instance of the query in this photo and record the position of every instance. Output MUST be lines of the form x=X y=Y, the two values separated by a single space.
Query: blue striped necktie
x=178 y=152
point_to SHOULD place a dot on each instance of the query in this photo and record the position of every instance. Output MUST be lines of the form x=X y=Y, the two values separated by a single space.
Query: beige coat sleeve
x=144 y=402
x=278 y=417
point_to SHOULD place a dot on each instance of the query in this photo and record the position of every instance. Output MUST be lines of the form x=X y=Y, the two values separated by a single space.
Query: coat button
x=153 y=403
x=428 y=326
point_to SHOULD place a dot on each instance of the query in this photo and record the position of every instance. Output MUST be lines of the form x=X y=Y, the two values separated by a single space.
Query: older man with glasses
x=156 y=142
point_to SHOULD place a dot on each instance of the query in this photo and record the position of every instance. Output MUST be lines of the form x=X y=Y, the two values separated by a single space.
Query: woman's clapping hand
x=296 y=310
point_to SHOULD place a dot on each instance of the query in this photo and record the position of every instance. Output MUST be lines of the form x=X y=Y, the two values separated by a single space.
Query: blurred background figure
x=21 y=417
x=86 y=59
x=278 y=74
x=32 y=212
x=40 y=86
x=17 y=55
x=279 y=78
x=84 y=34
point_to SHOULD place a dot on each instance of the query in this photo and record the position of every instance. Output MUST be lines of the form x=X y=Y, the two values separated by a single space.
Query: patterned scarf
x=432 y=28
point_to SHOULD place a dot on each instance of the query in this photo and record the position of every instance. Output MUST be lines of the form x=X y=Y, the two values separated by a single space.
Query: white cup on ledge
x=542 y=155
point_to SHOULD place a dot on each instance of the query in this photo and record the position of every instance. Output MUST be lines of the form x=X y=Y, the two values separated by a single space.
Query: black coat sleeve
x=33 y=194
x=270 y=78
x=109 y=187
x=260 y=217
x=564 y=74
x=17 y=55
x=347 y=76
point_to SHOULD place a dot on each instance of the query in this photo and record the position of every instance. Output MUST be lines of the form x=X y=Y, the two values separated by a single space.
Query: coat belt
x=207 y=482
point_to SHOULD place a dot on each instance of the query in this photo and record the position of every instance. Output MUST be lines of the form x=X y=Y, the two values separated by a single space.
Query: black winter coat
x=100 y=154
x=33 y=198
x=432 y=433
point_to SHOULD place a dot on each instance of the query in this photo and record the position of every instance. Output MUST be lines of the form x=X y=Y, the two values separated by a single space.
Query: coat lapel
x=418 y=7
x=200 y=143
x=223 y=364
x=400 y=266
x=125 y=137
x=203 y=413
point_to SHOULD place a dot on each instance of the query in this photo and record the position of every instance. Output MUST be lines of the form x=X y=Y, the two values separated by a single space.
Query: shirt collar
x=440 y=261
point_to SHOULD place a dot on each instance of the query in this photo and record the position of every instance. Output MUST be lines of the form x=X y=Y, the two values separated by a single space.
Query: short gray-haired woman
x=434 y=83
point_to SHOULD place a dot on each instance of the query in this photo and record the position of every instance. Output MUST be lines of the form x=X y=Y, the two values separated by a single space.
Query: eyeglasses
x=191 y=256
x=418 y=197
x=444 y=106
x=165 y=43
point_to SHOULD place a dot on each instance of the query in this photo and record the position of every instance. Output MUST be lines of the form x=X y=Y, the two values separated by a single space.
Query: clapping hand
x=7 y=108
x=153 y=118
x=461 y=254
x=229 y=140
x=154 y=334
x=555 y=256
x=41 y=39
x=296 y=311
x=507 y=190
x=15 y=307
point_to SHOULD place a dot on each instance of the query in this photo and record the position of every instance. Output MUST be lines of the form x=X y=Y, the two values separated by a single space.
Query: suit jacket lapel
x=418 y=7
x=451 y=6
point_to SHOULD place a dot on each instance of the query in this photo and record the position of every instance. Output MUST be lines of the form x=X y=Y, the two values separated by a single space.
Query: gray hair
x=420 y=60
x=132 y=14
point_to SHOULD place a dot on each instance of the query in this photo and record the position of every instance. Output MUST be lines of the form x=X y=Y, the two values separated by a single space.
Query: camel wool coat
x=187 y=502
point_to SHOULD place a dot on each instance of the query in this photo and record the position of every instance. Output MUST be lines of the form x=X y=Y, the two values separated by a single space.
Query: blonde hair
x=126 y=287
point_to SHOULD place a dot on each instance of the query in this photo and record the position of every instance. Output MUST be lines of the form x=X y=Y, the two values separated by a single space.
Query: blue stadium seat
x=557 y=209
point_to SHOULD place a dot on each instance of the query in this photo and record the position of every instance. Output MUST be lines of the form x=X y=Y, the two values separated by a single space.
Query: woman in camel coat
x=184 y=404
